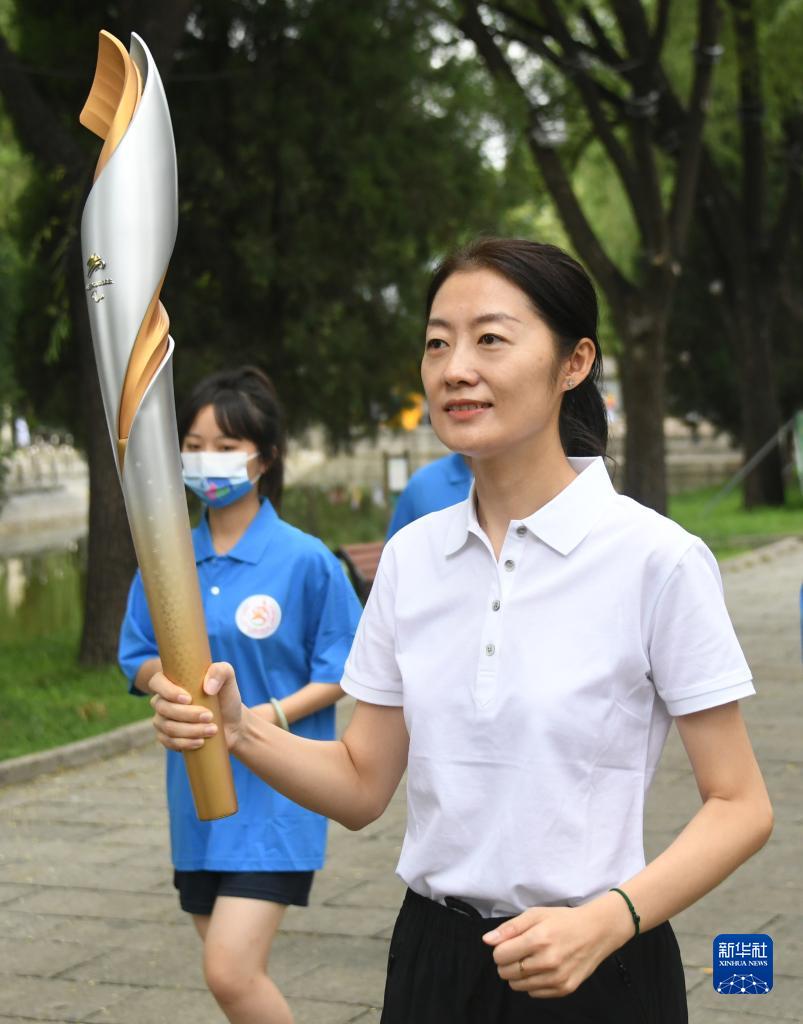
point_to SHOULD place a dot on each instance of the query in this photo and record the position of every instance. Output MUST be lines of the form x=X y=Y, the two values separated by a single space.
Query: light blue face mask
x=218 y=478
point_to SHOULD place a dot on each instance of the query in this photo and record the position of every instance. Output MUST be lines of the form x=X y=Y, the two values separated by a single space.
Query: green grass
x=49 y=700
x=728 y=528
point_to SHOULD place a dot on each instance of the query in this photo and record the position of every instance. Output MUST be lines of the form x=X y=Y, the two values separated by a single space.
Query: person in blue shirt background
x=279 y=607
x=442 y=483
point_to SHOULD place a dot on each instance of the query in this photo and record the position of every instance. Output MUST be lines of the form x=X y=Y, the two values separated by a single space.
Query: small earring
x=570 y=383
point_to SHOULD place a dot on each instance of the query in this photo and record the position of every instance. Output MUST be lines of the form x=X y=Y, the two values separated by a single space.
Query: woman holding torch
x=523 y=655
x=279 y=607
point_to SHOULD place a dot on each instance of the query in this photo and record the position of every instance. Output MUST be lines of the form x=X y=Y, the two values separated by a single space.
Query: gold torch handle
x=174 y=600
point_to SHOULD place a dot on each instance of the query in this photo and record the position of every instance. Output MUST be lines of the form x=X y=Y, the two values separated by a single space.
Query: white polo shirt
x=538 y=690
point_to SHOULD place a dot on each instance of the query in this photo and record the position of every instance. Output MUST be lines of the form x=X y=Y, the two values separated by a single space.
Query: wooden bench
x=361 y=560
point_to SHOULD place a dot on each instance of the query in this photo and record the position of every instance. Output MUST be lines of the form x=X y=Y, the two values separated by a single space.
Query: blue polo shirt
x=442 y=483
x=280 y=609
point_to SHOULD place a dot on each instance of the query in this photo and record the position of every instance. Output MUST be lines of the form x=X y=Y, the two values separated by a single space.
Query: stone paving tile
x=358 y=854
x=22 y=925
x=160 y=1006
x=339 y=920
x=17 y=849
x=783 y=741
x=104 y=814
x=11 y=797
x=309 y=1011
x=54 y=1000
x=50 y=829
x=345 y=971
x=386 y=933
x=725 y=910
x=787 y=936
x=158 y=856
x=82 y=875
x=182 y=1007
x=387 y=892
x=369 y=1017
x=343 y=892
x=695 y=949
x=44 y=958
x=783 y=1003
x=86 y=903
x=148 y=835
x=162 y=967
x=165 y=884
x=296 y=956
x=148 y=784
x=10 y=892
x=103 y=933
x=743 y=1013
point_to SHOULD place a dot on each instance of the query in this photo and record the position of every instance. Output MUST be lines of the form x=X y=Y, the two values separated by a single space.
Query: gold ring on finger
x=521 y=966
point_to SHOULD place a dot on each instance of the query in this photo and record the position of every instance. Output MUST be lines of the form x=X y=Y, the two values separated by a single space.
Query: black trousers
x=441 y=972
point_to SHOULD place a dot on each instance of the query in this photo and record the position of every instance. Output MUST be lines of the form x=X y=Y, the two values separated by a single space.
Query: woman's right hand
x=182 y=725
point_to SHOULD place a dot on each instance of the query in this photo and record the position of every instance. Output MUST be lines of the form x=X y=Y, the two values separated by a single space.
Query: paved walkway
x=90 y=930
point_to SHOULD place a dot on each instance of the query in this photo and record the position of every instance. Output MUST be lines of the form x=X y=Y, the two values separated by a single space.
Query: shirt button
x=510 y=565
x=214 y=590
x=520 y=531
x=496 y=605
x=490 y=649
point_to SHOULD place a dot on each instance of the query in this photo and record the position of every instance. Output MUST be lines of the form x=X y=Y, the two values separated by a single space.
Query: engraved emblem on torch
x=93 y=264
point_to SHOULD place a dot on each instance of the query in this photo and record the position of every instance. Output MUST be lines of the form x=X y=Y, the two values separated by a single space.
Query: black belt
x=461 y=907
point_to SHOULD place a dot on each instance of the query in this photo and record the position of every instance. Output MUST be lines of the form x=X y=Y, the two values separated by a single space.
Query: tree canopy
x=324 y=159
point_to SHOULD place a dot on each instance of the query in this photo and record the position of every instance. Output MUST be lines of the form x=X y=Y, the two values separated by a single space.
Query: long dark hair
x=564 y=297
x=246 y=407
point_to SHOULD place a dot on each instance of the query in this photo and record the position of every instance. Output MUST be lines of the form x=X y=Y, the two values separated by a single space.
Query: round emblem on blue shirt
x=258 y=616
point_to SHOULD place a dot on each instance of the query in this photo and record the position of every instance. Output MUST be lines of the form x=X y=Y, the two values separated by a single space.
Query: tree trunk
x=643 y=333
x=110 y=553
x=761 y=417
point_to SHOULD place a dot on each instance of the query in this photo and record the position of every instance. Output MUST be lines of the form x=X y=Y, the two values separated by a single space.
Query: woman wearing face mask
x=523 y=655
x=279 y=607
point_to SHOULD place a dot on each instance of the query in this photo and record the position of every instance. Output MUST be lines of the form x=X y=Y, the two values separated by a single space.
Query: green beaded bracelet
x=633 y=914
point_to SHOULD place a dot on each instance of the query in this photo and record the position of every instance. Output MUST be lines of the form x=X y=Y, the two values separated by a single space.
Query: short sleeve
x=334 y=626
x=696 y=661
x=137 y=639
x=372 y=670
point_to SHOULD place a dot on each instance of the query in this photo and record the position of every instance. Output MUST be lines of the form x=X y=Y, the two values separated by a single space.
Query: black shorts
x=198 y=890
x=441 y=972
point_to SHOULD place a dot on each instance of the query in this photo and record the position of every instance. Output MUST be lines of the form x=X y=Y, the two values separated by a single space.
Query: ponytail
x=583 y=419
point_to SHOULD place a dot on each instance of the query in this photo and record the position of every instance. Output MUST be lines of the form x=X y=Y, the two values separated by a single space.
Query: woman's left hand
x=548 y=952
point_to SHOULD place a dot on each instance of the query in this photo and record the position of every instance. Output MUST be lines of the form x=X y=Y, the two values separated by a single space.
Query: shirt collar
x=562 y=523
x=249 y=548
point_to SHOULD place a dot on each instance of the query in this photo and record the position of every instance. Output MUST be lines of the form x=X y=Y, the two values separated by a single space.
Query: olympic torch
x=127 y=234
